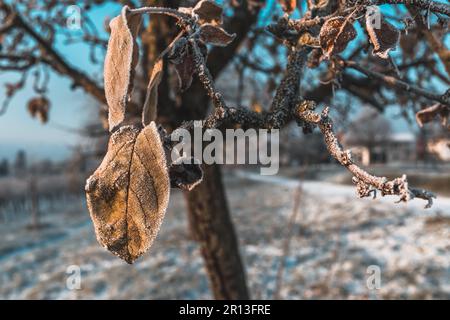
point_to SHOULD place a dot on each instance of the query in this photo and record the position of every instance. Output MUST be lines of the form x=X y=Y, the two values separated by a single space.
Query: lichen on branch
x=366 y=183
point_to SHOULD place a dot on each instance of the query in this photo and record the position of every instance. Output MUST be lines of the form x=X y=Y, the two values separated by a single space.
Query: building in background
x=396 y=148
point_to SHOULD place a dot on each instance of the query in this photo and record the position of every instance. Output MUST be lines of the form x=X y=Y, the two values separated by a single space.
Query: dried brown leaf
x=120 y=63
x=208 y=12
x=185 y=71
x=185 y=176
x=181 y=56
x=335 y=34
x=128 y=194
x=39 y=107
x=288 y=5
x=383 y=37
x=210 y=34
x=430 y=113
x=151 y=99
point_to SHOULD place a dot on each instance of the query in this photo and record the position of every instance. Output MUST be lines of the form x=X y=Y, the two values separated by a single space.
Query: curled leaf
x=288 y=5
x=185 y=175
x=383 y=35
x=181 y=56
x=178 y=51
x=120 y=63
x=430 y=113
x=210 y=34
x=151 y=99
x=128 y=194
x=335 y=34
x=208 y=12
x=39 y=107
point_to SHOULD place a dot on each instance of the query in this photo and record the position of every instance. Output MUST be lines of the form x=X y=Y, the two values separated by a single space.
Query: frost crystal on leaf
x=120 y=62
x=128 y=194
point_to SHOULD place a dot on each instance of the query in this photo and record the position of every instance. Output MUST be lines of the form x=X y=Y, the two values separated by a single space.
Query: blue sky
x=69 y=108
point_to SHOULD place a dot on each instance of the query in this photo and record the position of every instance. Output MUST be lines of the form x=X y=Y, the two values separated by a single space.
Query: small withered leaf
x=181 y=56
x=430 y=113
x=128 y=194
x=335 y=34
x=38 y=108
x=208 y=12
x=210 y=34
x=178 y=51
x=120 y=63
x=151 y=100
x=288 y=5
x=185 y=175
x=185 y=71
x=383 y=37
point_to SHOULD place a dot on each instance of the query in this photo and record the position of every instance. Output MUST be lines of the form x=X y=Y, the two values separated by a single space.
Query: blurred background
x=302 y=234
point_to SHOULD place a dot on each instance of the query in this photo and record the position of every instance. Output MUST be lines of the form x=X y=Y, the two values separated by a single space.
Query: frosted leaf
x=128 y=194
x=120 y=63
x=208 y=12
x=181 y=56
x=335 y=34
x=151 y=99
x=384 y=36
x=210 y=34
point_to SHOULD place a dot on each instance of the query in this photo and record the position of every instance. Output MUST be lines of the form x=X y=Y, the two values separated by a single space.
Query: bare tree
x=318 y=39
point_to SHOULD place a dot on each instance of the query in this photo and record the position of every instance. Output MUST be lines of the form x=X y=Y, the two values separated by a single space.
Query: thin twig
x=159 y=10
x=365 y=181
x=394 y=82
x=433 y=6
x=206 y=78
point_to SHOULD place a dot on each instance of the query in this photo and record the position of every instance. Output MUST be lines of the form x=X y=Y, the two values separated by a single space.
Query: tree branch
x=394 y=82
x=365 y=181
x=434 y=43
x=58 y=63
x=422 y=4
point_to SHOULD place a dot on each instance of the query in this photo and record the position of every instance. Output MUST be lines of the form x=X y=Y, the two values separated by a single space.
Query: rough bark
x=213 y=229
x=208 y=214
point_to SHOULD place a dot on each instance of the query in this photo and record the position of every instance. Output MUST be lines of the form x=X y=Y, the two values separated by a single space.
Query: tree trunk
x=212 y=227
x=208 y=215
x=34 y=200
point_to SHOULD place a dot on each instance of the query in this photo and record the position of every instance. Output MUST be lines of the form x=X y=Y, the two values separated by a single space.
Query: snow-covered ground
x=336 y=238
